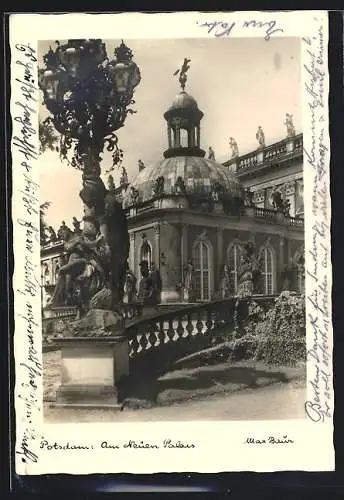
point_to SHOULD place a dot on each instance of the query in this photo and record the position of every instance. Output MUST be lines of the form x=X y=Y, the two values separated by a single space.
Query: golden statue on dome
x=183 y=72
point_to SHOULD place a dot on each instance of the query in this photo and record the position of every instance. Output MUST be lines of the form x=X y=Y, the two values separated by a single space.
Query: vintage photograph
x=172 y=229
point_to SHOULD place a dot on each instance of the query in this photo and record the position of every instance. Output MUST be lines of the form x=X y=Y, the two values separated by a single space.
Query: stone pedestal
x=94 y=360
x=169 y=296
x=290 y=146
x=260 y=157
x=92 y=371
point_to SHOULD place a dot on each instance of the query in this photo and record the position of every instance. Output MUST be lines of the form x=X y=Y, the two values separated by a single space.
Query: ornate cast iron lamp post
x=89 y=97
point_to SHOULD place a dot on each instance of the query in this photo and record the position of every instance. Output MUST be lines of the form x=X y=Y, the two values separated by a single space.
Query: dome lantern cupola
x=183 y=122
x=185 y=178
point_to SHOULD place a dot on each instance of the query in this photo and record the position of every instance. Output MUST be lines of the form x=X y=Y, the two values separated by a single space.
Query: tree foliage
x=49 y=140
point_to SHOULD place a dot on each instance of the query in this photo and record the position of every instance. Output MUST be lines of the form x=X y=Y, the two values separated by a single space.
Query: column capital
x=156 y=228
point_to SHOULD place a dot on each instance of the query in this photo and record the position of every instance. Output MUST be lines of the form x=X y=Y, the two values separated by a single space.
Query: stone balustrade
x=276 y=151
x=265 y=214
x=271 y=216
x=150 y=329
x=197 y=322
x=296 y=222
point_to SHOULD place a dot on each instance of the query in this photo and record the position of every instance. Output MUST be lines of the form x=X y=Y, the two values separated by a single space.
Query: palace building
x=278 y=165
x=189 y=208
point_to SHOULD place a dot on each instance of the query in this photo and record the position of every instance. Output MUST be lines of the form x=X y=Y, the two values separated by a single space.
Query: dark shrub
x=285 y=340
x=276 y=337
x=243 y=348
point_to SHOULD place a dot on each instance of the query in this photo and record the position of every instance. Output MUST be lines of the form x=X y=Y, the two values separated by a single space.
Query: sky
x=239 y=83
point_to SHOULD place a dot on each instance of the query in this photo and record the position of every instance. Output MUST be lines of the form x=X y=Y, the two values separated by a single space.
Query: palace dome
x=184 y=169
x=199 y=176
x=183 y=101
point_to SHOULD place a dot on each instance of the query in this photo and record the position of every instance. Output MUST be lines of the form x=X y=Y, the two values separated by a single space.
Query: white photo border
x=311 y=447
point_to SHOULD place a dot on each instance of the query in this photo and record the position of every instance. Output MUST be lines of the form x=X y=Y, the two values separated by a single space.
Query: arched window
x=233 y=258
x=267 y=270
x=146 y=252
x=201 y=260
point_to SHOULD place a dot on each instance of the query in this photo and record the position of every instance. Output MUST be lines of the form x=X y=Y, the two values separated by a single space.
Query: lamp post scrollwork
x=89 y=97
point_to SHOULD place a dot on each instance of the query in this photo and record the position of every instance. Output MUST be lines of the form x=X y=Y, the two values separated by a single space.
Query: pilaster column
x=183 y=248
x=170 y=246
x=281 y=264
x=191 y=138
x=51 y=271
x=198 y=132
x=156 y=257
x=290 y=145
x=219 y=255
x=169 y=134
x=132 y=251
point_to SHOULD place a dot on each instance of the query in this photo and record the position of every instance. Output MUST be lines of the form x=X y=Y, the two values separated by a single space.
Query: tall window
x=146 y=253
x=267 y=271
x=233 y=257
x=201 y=260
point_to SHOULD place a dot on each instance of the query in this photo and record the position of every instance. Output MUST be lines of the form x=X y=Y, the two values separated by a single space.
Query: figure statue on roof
x=76 y=226
x=134 y=195
x=260 y=136
x=141 y=165
x=43 y=235
x=183 y=72
x=180 y=185
x=158 y=188
x=64 y=232
x=234 y=147
x=52 y=235
x=216 y=191
x=290 y=125
x=211 y=154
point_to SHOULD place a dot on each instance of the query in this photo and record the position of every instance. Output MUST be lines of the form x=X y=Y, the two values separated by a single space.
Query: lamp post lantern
x=89 y=97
